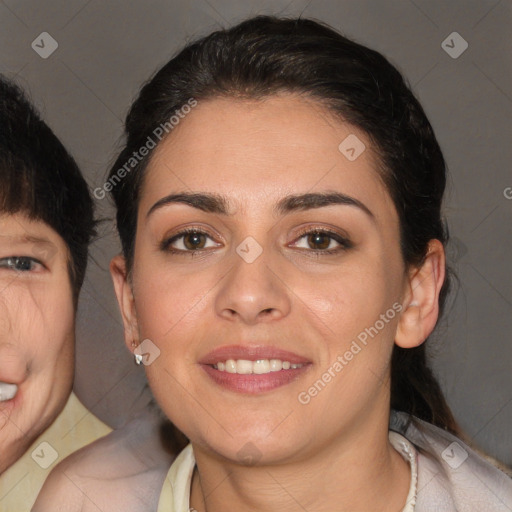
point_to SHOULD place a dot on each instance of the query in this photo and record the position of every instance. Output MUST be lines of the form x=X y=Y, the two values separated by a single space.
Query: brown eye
x=194 y=241
x=319 y=241
x=189 y=241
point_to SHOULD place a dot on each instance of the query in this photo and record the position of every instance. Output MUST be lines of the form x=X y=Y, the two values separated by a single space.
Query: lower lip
x=8 y=405
x=254 y=383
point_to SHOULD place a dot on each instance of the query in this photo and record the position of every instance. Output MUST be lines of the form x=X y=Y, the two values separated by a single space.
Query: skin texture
x=255 y=153
x=36 y=331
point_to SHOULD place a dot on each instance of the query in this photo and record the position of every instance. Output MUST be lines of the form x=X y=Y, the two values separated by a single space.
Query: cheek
x=350 y=298
x=54 y=336
x=170 y=302
x=170 y=314
x=37 y=328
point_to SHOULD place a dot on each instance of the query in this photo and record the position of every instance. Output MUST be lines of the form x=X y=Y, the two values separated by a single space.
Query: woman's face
x=292 y=258
x=36 y=332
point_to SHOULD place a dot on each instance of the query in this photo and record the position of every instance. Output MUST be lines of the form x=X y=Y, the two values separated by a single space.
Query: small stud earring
x=137 y=357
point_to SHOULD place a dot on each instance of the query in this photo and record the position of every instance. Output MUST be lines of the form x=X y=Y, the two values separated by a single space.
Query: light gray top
x=451 y=476
x=128 y=471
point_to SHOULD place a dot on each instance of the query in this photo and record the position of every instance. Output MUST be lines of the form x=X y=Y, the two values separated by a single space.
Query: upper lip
x=10 y=380
x=251 y=353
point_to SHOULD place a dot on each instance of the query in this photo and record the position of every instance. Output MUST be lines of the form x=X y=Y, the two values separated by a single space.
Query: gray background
x=107 y=49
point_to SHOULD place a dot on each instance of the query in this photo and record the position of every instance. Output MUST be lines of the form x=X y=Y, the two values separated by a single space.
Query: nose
x=252 y=293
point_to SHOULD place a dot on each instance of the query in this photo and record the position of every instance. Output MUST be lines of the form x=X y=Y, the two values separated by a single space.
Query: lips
x=287 y=367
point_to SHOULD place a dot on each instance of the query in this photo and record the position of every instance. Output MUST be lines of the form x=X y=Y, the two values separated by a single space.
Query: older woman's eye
x=189 y=241
x=322 y=241
x=20 y=263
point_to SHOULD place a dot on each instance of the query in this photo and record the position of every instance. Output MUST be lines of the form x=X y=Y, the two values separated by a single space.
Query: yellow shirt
x=74 y=427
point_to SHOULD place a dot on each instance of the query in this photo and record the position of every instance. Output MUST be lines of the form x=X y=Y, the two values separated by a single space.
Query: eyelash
x=9 y=262
x=344 y=243
x=166 y=244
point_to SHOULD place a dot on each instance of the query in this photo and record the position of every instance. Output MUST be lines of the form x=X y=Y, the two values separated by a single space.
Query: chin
x=12 y=449
x=253 y=450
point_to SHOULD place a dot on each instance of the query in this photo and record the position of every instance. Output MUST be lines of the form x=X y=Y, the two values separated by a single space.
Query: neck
x=358 y=470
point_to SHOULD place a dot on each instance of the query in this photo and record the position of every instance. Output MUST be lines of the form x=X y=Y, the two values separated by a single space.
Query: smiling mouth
x=7 y=391
x=258 y=367
x=253 y=369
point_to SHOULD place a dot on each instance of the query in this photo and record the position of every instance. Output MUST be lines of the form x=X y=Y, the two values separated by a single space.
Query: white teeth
x=7 y=391
x=243 y=367
x=231 y=366
x=276 y=365
x=259 y=367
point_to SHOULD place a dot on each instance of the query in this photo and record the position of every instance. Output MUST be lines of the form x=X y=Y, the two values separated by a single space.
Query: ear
x=124 y=293
x=421 y=304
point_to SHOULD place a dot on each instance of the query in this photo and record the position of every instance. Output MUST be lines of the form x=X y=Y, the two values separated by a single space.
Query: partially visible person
x=121 y=472
x=46 y=225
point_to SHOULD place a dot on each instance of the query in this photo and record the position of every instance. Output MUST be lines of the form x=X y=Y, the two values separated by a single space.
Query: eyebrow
x=319 y=200
x=27 y=239
x=214 y=203
x=210 y=203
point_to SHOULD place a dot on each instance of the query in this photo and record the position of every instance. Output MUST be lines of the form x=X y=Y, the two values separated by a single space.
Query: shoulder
x=123 y=471
x=452 y=475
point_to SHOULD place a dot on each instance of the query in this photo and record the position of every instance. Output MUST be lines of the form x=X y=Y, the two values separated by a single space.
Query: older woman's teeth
x=259 y=367
x=7 y=391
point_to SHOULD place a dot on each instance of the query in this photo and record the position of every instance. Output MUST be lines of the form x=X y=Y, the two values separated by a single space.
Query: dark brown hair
x=41 y=179
x=267 y=55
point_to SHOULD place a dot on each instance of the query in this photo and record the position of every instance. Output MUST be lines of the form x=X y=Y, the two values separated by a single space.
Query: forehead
x=20 y=230
x=261 y=150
